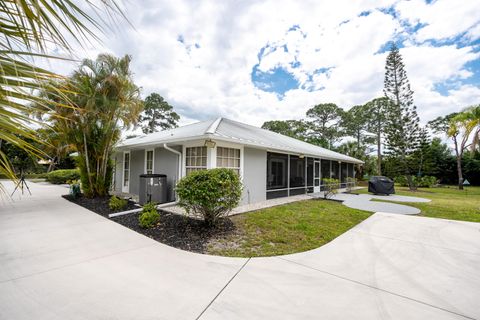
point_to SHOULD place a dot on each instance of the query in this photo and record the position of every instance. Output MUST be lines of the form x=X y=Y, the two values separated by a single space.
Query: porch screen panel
x=343 y=173
x=325 y=164
x=351 y=170
x=297 y=172
x=277 y=175
x=310 y=174
x=335 y=172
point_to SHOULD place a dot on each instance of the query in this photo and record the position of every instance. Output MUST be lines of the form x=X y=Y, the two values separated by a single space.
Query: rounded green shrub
x=149 y=216
x=63 y=176
x=117 y=204
x=210 y=194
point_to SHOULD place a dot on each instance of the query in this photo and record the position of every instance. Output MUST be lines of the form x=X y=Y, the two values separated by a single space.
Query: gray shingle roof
x=233 y=131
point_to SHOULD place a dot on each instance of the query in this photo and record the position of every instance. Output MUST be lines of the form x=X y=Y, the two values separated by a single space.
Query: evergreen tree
x=325 y=125
x=402 y=129
x=293 y=128
x=157 y=114
x=376 y=110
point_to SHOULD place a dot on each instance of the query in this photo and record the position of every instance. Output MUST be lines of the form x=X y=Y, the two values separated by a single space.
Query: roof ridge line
x=213 y=127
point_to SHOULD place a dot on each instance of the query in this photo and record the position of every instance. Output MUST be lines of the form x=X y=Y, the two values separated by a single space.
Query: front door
x=316 y=176
x=126 y=172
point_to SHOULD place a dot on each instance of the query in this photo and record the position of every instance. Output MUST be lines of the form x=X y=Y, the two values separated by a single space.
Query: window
x=351 y=170
x=335 y=170
x=149 y=162
x=195 y=159
x=126 y=168
x=344 y=172
x=228 y=158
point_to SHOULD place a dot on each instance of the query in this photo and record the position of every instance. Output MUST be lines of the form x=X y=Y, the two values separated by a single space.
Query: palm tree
x=460 y=128
x=27 y=27
x=105 y=100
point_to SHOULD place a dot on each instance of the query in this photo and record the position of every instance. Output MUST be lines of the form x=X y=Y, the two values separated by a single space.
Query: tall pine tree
x=402 y=129
x=157 y=114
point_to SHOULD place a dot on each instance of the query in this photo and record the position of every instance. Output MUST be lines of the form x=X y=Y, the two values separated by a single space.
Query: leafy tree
x=292 y=128
x=376 y=110
x=27 y=29
x=355 y=123
x=326 y=120
x=402 y=130
x=105 y=100
x=157 y=113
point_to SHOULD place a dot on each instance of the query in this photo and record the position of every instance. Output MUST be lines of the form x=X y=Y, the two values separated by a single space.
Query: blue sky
x=261 y=60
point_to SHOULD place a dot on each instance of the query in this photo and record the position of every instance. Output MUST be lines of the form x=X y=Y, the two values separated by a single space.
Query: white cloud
x=443 y=18
x=209 y=74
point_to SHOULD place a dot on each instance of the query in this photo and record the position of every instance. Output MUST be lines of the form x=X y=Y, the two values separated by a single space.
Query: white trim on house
x=126 y=188
x=153 y=160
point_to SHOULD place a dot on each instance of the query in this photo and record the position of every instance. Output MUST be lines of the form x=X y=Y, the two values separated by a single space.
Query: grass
x=447 y=202
x=285 y=229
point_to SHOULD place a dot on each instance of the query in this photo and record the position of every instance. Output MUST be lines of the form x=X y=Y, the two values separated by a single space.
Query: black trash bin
x=381 y=185
x=153 y=188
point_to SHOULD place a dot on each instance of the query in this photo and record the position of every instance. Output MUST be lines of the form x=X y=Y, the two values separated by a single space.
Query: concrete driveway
x=60 y=261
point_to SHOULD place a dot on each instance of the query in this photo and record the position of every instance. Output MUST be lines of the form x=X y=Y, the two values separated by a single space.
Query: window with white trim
x=195 y=159
x=149 y=162
x=228 y=158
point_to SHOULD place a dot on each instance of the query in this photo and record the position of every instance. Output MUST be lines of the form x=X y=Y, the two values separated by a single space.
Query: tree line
x=386 y=133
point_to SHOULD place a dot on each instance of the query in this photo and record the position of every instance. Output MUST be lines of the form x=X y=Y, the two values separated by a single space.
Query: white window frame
x=237 y=147
x=126 y=188
x=153 y=160
x=211 y=154
x=184 y=162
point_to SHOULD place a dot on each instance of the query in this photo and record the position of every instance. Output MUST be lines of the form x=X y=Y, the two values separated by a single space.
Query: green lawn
x=447 y=202
x=285 y=229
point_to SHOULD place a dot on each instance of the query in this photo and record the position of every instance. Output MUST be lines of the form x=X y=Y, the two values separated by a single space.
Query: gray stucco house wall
x=254 y=175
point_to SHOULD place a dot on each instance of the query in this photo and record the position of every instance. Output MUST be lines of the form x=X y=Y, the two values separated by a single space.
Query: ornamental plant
x=149 y=216
x=117 y=204
x=210 y=194
x=331 y=187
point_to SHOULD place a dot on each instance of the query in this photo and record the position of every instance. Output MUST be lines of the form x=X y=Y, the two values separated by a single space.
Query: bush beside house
x=63 y=176
x=210 y=194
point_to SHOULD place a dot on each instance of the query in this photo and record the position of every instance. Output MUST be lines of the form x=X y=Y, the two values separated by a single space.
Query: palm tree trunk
x=87 y=161
x=458 y=154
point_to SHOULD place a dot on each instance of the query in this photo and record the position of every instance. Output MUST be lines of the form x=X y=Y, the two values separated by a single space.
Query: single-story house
x=270 y=165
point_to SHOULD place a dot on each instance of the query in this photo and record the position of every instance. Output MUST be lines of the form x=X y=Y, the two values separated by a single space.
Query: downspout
x=179 y=154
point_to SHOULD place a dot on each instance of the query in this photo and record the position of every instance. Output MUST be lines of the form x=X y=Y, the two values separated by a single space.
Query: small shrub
x=350 y=184
x=210 y=194
x=117 y=204
x=331 y=187
x=149 y=216
x=423 y=182
x=74 y=188
x=63 y=176
x=426 y=182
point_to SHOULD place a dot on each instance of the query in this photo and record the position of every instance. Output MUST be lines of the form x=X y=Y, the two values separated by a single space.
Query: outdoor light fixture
x=210 y=143
x=301 y=156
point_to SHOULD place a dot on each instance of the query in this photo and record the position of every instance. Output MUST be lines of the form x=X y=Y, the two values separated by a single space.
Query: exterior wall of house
x=254 y=175
x=166 y=162
x=137 y=167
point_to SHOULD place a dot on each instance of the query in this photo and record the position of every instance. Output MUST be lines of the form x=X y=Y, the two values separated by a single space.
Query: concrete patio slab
x=61 y=261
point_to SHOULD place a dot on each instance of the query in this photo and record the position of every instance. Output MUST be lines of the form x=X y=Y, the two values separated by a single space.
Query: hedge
x=63 y=176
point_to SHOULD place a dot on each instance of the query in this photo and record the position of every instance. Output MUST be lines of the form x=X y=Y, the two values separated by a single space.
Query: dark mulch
x=98 y=205
x=174 y=230
x=179 y=231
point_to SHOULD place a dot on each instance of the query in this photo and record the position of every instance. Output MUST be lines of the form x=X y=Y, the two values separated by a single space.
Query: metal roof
x=236 y=132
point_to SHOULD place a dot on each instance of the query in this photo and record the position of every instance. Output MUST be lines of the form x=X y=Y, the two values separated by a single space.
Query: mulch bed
x=179 y=231
x=98 y=205
x=174 y=230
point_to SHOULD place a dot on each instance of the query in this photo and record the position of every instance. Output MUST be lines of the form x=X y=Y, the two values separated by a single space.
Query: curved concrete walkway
x=363 y=202
x=60 y=261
